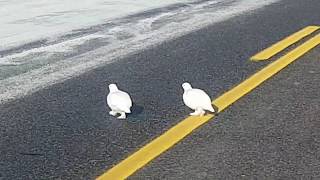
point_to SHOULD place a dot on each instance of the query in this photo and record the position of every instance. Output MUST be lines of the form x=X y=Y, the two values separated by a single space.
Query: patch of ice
x=26 y=21
x=64 y=46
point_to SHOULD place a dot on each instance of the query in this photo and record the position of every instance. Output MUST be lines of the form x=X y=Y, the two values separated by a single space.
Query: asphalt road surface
x=65 y=132
x=263 y=136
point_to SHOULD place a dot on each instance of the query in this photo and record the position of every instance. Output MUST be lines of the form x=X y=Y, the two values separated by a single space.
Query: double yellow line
x=162 y=143
x=285 y=43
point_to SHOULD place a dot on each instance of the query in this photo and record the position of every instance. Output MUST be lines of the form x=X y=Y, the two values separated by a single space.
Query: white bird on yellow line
x=196 y=99
x=118 y=101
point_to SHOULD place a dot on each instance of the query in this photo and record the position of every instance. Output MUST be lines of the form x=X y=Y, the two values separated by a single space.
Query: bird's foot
x=196 y=113
x=113 y=113
x=202 y=113
x=123 y=116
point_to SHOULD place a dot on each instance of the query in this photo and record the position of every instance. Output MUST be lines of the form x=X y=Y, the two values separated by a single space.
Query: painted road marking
x=162 y=143
x=283 y=44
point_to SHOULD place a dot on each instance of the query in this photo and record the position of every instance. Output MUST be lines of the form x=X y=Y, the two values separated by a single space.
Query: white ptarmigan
x=118 y=101
x=197 y=100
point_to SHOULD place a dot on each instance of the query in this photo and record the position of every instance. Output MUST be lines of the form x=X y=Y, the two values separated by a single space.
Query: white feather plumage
x=118 y=101
x=197 y=100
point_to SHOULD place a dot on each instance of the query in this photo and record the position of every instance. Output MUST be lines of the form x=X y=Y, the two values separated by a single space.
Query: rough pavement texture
x=65 y=132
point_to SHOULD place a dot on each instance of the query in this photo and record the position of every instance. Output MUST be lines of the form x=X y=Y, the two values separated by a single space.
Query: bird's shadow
x=216 y=110
x=136 y=110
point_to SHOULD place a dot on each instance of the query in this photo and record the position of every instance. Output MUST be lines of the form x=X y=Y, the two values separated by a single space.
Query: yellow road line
x=162 y=143
x=283 y=44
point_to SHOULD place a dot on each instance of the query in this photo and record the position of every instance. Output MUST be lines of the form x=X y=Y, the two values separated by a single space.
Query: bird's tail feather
x=127 y=110
x=211 y=109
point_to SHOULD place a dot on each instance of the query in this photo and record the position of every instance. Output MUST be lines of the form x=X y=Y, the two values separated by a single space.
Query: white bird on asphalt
x=118 y=101
x=197 y=100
